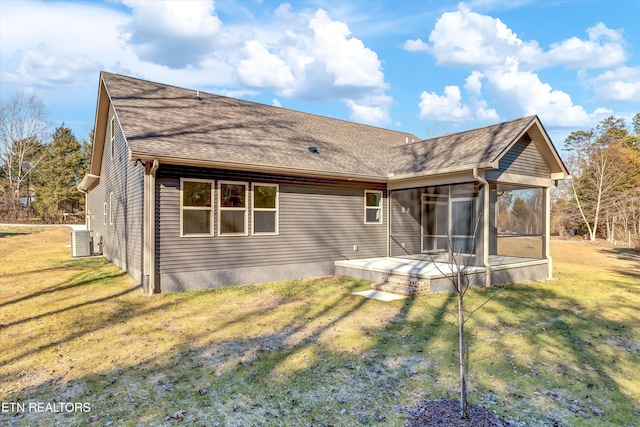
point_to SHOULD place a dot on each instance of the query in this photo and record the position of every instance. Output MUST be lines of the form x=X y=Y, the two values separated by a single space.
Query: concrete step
x=403 y=285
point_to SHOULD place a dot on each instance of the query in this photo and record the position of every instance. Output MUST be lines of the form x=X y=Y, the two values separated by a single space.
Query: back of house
x=193 y=190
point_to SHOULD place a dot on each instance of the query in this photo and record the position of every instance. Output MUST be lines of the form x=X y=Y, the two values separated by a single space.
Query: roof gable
x=481 y=148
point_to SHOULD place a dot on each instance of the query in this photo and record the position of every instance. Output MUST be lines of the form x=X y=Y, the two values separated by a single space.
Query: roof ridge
x=530 y=118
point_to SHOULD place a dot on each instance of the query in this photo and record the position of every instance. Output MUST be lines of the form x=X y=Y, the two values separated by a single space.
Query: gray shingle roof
x=464 y=150
x=161 y=121
x=166 y=121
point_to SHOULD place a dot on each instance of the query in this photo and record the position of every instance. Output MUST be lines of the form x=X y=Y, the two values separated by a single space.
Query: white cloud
x=318 y=59
x=172 y=33
x=473 y=83
x=450 y=108
x=42 y=67
x=372 y=115
x=603 y=49
x=446 y=108
x=523 y=91
x=49 y=56
x=470 y=39
x=276 y=103
x=482 y=113
x=416 y=46
x=503 y=65
x=467 y=38
x=619 y=85
x=345 y=57
x=262 y=69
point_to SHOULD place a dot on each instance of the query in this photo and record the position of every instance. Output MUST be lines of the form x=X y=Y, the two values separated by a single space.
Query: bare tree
x=460 y=273
x=599 y=168
x=23 y=129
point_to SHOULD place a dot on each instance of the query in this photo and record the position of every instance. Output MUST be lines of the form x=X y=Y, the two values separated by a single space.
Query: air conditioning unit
x=80 y=243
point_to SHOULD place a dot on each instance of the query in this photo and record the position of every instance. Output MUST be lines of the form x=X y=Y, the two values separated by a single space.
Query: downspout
x=485 y=226
x=150 y=241
x=388 y=222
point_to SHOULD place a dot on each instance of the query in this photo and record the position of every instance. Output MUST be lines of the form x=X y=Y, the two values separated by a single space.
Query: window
x=105 y=213
x=265 y=209
x=232 y=219
x=111 y=208
x=112 y=141
x=373 y=207
x=196 y=206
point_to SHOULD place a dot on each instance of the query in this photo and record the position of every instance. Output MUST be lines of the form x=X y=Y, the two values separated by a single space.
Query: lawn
x=308 y=352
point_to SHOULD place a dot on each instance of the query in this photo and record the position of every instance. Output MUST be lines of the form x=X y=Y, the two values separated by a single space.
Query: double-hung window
x=372 y=207
x=232 y=208
x=265 y=209
x=196 y=207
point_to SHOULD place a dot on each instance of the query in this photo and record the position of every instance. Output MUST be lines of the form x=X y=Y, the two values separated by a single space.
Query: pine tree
x=58 y=174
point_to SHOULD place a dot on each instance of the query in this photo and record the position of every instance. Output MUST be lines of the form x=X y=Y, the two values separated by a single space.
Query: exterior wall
x=120 y=176
x=405 y=233
x=523 y=159
x=320 y=221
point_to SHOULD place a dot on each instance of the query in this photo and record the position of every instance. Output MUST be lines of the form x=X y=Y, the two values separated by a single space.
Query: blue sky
x=425 y=67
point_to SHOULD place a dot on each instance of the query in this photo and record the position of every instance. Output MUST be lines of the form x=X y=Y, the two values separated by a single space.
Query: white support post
x=547 y=230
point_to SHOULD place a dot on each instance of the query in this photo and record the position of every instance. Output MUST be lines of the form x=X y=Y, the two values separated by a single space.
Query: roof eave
x=455 y=169
x=99 y=128
x=258 y=168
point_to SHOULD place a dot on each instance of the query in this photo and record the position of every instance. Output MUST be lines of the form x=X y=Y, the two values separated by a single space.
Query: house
x=192 y=190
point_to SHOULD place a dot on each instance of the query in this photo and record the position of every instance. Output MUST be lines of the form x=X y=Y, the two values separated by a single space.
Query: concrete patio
x=420 y=274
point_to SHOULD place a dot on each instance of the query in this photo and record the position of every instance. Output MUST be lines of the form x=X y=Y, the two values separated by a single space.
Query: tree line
x=39 y=169
x=602 y=200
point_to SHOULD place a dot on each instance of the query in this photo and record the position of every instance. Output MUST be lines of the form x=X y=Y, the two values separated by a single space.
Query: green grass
x=308 y=352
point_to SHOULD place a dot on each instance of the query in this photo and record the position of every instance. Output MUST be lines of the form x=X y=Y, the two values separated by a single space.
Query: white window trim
x=380 y=221
x=104 y=213
x=111 y=208
x=245 y=209
x=254 y=209
x=197 y=208
x=112 y=144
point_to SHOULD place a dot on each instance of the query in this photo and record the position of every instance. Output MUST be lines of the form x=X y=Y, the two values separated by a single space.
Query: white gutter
x=154 y=167
x=260 y=168
x=88 y=182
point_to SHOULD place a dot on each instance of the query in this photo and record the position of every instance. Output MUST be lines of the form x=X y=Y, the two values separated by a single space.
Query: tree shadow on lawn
x=291 y=373
x=13 y=233
x=622 y=253
x=72 y=283
x=568 y=362
x=338 y=359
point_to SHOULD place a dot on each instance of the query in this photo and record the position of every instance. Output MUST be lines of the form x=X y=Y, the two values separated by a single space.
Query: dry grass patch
x=308 y=352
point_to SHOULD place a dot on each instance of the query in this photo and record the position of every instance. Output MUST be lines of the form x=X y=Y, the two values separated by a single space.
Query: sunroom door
x=435 y=223
x=463 y=220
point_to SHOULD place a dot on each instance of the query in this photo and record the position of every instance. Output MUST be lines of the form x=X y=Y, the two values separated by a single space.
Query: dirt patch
x=446 y=412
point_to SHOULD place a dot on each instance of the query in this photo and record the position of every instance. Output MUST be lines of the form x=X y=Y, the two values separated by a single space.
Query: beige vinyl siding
x=319 y=221
x=405 y=223
x=524 y=159
x=122 y=177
